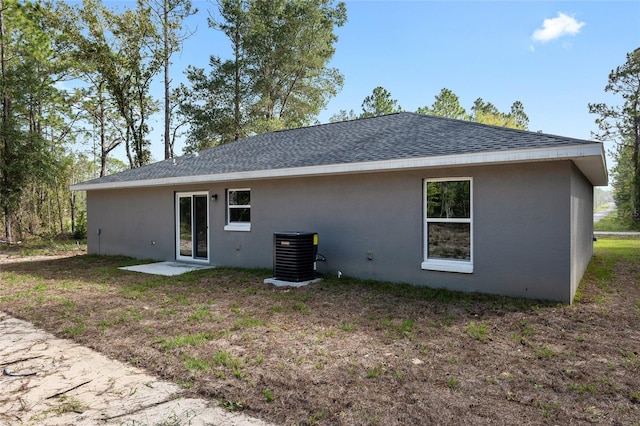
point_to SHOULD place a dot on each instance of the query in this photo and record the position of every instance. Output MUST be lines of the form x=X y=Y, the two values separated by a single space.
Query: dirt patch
x=50 y=381
x=352 y=352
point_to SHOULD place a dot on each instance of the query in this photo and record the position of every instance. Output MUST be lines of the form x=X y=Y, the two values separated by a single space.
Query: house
x=403 y=197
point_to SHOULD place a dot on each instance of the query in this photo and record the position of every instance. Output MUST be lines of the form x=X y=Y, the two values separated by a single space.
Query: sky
x=554 y=57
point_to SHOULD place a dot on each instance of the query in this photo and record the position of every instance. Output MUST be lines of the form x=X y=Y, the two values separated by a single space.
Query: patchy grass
x=349 y=351
x=70 y=404
x=43 y=247
x=478 y=331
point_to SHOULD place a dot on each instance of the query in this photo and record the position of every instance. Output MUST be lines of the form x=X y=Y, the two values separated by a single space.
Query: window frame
x=237 y=226
x=447 y=265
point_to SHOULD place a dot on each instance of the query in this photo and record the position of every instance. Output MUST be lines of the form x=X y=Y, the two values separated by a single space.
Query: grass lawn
x=353 y=352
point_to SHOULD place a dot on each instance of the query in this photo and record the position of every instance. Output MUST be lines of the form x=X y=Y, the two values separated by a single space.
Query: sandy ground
x=51 y=381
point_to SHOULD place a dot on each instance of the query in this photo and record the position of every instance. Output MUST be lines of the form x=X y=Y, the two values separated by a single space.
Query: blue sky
x=554 y=57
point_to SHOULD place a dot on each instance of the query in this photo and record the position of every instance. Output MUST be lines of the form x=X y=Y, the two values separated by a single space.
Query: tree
x=520 y=118
x=378 y=103
x=106 y=125
x=278 y=76
x=208 y=106
x=169 y=16
x=118 y=47
x=446 y=104
x=488 y=113
x=27 y=94
x=343 y=115
x=621 y=124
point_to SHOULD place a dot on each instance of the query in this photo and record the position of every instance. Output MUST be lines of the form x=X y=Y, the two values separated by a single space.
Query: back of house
x=403 y=197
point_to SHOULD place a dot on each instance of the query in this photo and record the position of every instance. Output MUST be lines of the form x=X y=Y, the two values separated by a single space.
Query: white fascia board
x=594 y=151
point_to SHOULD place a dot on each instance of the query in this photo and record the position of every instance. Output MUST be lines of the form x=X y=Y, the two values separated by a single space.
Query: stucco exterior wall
x=581 y=227
x=522 y=231
x=130 y=222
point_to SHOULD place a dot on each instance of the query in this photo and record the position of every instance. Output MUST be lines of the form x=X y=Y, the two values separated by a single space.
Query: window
x=448 y=239
x=238 y=210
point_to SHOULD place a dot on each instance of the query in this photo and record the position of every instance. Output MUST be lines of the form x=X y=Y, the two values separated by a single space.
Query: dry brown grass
x=352 y=352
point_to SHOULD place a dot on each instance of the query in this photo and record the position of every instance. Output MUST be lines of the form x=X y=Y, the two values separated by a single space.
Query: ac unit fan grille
x=294 y=257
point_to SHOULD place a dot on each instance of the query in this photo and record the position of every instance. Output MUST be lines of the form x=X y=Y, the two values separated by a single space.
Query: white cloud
x=557 y=27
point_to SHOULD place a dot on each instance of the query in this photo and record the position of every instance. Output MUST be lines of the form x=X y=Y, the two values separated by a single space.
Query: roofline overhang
x=589 y=158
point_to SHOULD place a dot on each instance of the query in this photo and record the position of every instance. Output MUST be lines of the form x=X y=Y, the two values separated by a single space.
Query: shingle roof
x=400 y=136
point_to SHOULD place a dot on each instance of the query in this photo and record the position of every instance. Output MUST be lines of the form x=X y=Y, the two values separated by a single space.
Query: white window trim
x=446 y=265
x=236 y=226
x=240 y=226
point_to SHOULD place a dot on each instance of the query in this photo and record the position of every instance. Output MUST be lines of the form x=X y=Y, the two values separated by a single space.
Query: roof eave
x=589 y=158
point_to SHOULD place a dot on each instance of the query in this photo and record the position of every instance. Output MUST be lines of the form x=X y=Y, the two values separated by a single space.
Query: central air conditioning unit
x=294 y=256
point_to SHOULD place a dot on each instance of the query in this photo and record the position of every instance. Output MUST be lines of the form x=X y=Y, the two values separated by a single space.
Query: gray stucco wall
x=581 y=227
x=522 y=213
x=130 y=222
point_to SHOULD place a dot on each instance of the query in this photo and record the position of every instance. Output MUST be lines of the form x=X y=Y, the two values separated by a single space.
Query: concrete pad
x=74 y=385
x=166 y=268
x=280 y=283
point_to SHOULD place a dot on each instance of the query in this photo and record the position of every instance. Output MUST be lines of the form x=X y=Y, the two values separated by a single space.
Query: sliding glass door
x=192 y=226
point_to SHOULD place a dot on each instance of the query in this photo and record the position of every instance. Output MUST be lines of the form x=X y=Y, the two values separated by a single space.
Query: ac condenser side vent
x=294 y=256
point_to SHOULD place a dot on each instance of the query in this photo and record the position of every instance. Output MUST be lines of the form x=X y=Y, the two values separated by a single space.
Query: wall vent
x=294 y=256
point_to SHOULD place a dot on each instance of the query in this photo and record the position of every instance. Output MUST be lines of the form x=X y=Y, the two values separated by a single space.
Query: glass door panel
x=201 y=202
x=185 y=228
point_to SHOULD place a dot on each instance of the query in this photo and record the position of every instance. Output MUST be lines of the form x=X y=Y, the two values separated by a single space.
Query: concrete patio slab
x=166 y=268
x=280 y=283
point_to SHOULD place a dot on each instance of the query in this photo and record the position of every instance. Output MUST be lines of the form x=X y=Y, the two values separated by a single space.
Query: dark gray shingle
x=397 y=136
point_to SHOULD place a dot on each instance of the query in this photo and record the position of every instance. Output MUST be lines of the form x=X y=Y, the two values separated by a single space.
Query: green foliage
x=453 y=383
x=30 y=105
x=200 y=314
x=343 y=115
x=76 y=329
x=544 y=352
x=487 y=113
x=616 y=223
x=478 y=331
x=119 y=57
x=196 y=364
x=447 y=104
x=378 y=103
x=345 y=326
x=69 y=404
x=186 y=340
x=277 y=78
x=268 y=395
x=81 y=226
x=583 y=387
x=225 y=359
x=621 y=123
x=547 y=409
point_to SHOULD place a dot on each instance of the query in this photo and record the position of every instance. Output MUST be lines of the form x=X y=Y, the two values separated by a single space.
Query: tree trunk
x=59 y=205
x=237 y=100
x=5 y=119
x=103 y=143
x=168 y=148
x=636 y=166
x=128 y=147
x=72 y=203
